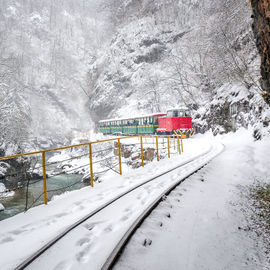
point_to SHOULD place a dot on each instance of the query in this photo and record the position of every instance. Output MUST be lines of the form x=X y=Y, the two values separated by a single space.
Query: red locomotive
x=176 y=121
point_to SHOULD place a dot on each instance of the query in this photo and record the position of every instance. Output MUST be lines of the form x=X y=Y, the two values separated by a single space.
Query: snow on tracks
x=42 y=224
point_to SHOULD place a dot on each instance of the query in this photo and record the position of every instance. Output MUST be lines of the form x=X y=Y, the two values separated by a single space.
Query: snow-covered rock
x=4 y=192
x=2 y=187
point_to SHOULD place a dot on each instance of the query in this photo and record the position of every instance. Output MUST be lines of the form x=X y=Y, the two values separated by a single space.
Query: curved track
x=202 y=160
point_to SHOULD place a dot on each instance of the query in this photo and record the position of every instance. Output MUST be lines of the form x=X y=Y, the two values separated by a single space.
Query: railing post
x=178 y=145
x=163 y=140
x=182 y=144
x=119 y=155
x=91 y=166
x=157 y=148
x=44 y=178
x=168 y=142
x=142 y=151
x=174 y=141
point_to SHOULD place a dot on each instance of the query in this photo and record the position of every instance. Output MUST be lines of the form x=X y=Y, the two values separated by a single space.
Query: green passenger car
x=146 y=124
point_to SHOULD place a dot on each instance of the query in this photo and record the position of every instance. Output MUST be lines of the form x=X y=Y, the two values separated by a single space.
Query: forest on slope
x=64 y=65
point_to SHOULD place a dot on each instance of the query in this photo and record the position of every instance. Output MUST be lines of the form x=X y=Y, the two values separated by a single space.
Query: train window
x=155 y=120
x=170 y=114
x=187 y=113
x=180 y=113
x=144 y=121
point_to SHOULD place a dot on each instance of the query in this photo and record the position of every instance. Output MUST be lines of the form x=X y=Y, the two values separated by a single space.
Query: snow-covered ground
x=199 y=231
x=42 y=223
x=200 y=224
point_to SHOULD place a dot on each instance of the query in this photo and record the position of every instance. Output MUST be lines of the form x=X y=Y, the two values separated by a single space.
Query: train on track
x=176 y=121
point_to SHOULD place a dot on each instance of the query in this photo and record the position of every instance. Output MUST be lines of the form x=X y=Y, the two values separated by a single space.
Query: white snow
x=4 y=192
x=58 y=158
x=201 y=233
x=2 y=208
x=40 y=224
x=2 y=187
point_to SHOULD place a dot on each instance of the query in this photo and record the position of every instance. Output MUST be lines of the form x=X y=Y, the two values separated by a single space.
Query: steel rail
x=116 y=253
x=43 y=249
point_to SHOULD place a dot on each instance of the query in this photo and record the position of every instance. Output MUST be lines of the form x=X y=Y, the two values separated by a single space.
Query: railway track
x=77 y=235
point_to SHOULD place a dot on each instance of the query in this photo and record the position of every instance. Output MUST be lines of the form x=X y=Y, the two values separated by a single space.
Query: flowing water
x=59 y=184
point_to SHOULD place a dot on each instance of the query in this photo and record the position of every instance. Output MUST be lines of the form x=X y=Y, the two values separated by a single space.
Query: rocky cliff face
x=173 y=53
x=261 y=29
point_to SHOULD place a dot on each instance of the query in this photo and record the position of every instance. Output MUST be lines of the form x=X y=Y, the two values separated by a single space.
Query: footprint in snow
x=90 y=226
x=109 y=228
x=63 y=266
x=83 y=241
x=147 y=242
x=61 y=215
x=17 y=232
x=78 y=203
x=82 y=256
x=124 y=218
x=6 y=240
x=143 y=202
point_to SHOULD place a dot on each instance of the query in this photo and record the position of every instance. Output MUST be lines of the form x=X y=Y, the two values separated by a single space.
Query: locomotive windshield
x=178 y=113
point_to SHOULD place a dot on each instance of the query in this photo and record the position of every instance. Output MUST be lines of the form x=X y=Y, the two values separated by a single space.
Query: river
x=16 y=204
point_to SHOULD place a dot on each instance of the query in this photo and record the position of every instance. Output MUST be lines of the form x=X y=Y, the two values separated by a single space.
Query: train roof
x=130 y=118
x=178 y=109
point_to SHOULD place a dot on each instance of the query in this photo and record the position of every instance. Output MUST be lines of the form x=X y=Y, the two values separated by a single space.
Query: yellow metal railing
x=155 y=141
